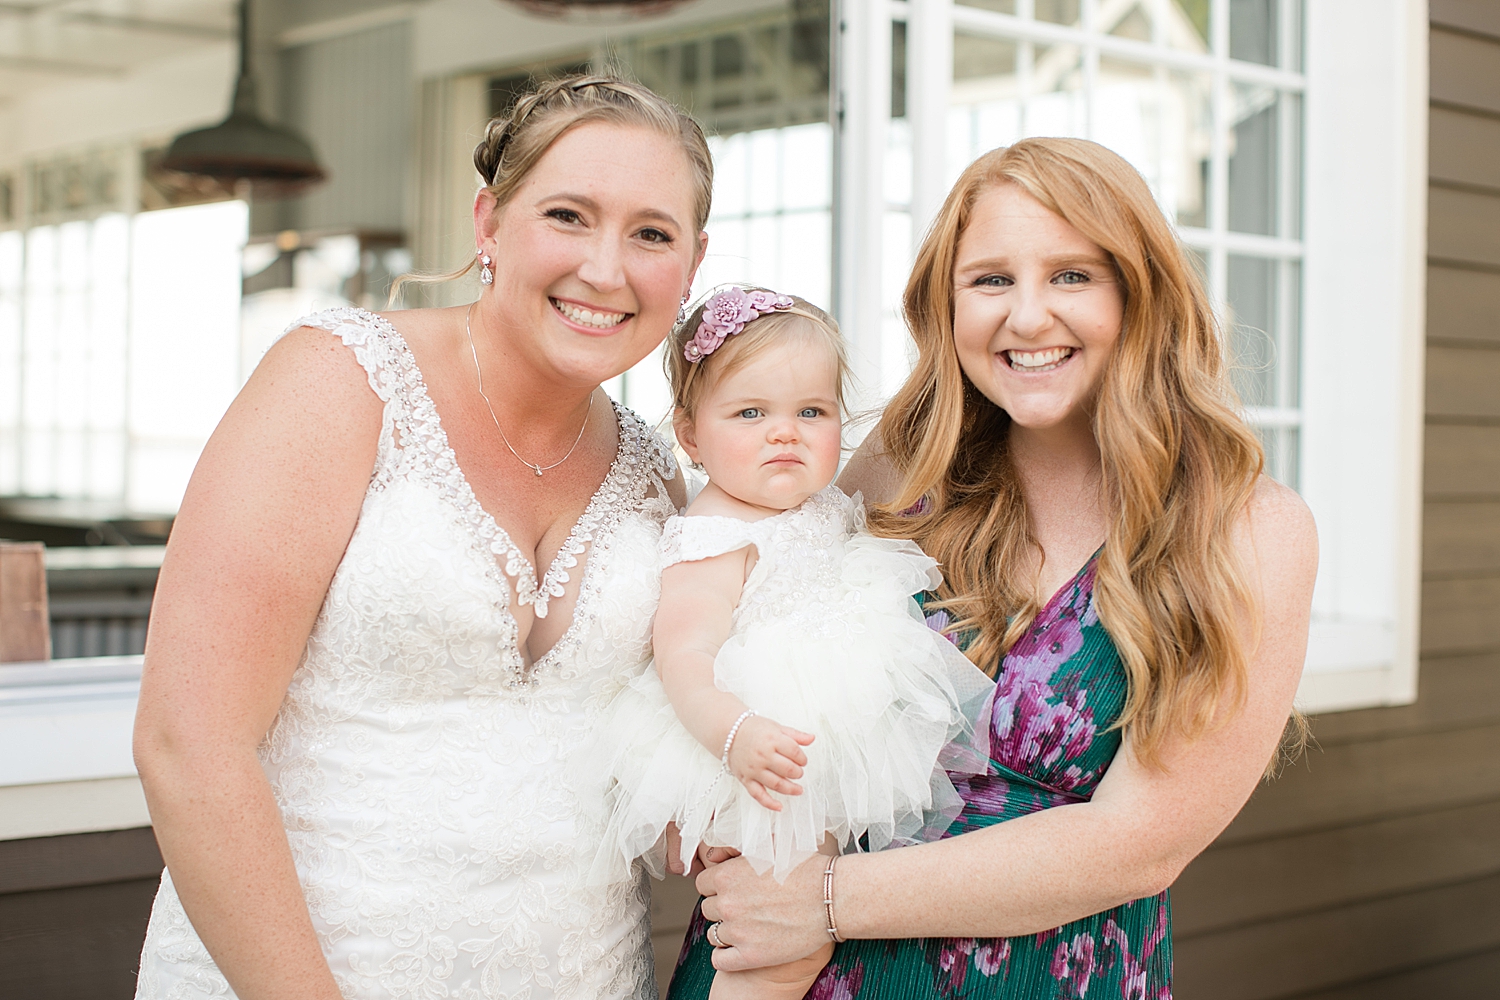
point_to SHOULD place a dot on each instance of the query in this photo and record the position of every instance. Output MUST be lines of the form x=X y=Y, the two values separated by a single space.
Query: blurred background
x=1332 y=165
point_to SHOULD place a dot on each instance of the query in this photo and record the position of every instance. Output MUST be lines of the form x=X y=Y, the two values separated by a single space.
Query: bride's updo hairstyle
x=515 y=141
x=802 y=323
x=1179 y=464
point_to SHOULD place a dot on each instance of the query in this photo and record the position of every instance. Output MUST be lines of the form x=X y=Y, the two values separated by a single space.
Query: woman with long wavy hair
x=1069 y=448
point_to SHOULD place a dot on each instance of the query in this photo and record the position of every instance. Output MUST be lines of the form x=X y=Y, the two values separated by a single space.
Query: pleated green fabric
x=1060 y=689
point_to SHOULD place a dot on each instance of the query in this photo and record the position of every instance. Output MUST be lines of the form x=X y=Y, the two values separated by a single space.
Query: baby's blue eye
x=811 y=413
x=749 y=413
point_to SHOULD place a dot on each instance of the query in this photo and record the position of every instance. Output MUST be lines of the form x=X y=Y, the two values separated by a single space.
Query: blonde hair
x=514 y=142
x=1179 y=464
x=691 y=379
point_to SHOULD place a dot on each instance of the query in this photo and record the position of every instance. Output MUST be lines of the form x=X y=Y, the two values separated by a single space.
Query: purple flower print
x=990 y=956
x=939 y=621
x=1133 y=969
x=922 y=506
x=1073 y=964
x=953 y=963
x=984 y=794
x=835 y=984
x=1034 y=726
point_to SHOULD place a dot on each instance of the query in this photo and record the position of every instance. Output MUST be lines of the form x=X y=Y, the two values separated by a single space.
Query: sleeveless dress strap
x=689 y=539
x=377 y=347
x=393 y=376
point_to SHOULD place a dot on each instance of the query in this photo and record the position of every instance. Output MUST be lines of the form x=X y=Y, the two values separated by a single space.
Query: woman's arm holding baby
x=697 y=608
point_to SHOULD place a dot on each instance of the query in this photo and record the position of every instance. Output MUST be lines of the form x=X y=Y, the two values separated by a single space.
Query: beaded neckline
x=638 y=462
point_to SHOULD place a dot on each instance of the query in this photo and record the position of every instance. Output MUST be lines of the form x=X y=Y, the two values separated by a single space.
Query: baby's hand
x=766 y=756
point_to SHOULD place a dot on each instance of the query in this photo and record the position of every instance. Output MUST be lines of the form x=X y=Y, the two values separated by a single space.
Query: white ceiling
x=47 y=42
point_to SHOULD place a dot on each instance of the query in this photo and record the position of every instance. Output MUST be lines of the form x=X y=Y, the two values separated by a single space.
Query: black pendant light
x=244 y=147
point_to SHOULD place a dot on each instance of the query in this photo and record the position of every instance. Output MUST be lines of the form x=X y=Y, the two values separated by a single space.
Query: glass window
x=119 y=351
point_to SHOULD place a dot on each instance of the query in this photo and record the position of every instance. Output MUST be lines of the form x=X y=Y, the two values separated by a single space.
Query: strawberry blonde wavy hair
x=1179 y=464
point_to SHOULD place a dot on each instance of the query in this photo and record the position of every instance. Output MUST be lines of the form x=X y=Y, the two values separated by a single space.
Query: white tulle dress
x=826 y=638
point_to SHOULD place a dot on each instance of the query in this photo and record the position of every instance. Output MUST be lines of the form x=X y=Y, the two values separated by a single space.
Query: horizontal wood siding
x=1371 y=870
x=73 y=913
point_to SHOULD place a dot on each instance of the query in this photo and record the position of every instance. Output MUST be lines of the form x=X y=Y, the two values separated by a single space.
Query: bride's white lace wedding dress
x=419 y=764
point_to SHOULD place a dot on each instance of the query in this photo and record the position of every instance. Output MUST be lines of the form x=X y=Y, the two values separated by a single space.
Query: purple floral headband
x=726 y=313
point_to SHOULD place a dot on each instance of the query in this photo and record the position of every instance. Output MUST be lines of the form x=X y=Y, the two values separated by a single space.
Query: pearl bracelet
x=733 y=731
x=832 y=928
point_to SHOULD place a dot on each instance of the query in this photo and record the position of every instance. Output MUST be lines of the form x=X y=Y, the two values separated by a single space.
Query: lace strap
x=377 y=346
x=689 y=539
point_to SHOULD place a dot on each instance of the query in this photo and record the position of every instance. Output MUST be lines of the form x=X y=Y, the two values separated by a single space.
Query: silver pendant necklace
x=479 y=377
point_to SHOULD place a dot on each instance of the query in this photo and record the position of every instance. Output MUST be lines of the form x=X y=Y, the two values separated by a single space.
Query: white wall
x=158 y=101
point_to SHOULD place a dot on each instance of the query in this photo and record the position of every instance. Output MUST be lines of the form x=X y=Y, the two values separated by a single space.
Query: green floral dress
x=1060 y=689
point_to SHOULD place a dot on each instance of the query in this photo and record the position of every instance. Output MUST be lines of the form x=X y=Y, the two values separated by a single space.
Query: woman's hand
x=766 y=756
x=763 y=923
x=706 y=857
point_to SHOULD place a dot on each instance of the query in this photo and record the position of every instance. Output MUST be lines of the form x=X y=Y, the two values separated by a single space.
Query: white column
x=861 y=116
x=1364 y=308
x=929 y=81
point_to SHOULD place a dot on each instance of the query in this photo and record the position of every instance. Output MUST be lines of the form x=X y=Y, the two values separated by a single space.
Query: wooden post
x=25 y=629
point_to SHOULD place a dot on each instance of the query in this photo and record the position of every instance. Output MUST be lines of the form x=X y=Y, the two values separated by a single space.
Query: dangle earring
x=486 y=272
x=682 y=313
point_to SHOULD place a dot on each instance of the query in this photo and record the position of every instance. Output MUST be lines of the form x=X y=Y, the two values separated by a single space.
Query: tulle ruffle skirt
x=893 y=705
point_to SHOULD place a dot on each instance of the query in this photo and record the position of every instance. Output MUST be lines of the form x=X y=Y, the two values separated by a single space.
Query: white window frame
x=1363 y=254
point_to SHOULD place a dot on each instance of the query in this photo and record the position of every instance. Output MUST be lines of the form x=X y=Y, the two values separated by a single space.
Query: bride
x=360 y=691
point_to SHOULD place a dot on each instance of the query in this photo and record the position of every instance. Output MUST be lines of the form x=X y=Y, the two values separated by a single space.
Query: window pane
x=185 y=286
x=1253 y=30
x=990 y=63
x=1262 y=335
x=1057 y=102
x=1253 y=160
x=1290 y=110
x=764 y=70
x=1128 y=21
x=10 y=362
x=39 y=364
x=1268 y=32
x=1281 y=444
x=1058 y=11
x=1161 y=123
x=1187 y=25
x=1265 y=169
x=986 y=95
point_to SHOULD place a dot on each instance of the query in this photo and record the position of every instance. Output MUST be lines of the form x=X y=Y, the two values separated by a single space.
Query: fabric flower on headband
x=726 y=313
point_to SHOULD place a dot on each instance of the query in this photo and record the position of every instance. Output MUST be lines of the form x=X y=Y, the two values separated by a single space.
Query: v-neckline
x=1067 y=584
x=492 y=541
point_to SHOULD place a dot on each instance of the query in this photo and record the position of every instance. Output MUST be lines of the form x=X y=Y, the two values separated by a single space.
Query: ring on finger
x=713 y=935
